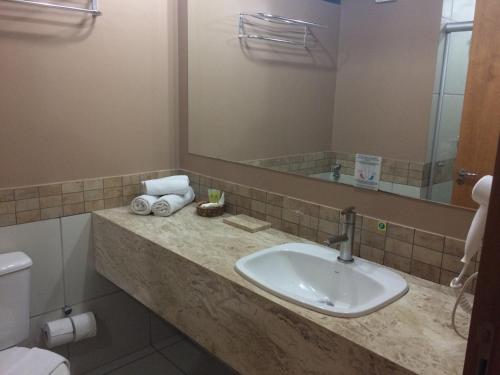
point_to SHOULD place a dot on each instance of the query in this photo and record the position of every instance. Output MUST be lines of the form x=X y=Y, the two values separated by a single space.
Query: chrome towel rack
x=245 y=18
x=93 y=9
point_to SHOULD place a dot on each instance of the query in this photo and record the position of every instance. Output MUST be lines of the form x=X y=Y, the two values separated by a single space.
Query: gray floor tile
x=121 y=362
x=193 y=360
x=168 y=342
x=162 y=332
x=118 y=334
x=154 y=364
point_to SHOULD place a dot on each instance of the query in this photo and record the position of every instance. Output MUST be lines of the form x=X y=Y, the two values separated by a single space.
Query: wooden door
x=481 y=114
x=483 y=349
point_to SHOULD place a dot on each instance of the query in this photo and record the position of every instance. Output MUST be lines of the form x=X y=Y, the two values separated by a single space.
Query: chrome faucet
x=336 y=171
x=346 y=237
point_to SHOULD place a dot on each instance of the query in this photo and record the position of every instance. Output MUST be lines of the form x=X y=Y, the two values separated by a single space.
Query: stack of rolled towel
x=163 y=196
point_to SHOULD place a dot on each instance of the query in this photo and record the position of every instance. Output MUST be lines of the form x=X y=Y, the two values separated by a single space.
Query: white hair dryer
x=474 y=242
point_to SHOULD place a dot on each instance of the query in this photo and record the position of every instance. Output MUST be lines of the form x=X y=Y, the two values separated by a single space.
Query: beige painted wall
x=83 y=100
x=51 y=130
x=259 y=99
x=387 y=63
x=448 y=220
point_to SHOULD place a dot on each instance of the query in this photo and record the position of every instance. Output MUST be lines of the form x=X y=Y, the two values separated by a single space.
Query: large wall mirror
x=361 y=92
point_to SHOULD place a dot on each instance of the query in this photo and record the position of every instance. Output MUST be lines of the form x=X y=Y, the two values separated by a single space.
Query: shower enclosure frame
x=448 y=29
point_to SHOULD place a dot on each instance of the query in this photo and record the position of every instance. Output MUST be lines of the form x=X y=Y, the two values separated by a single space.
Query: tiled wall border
x=430 y=256
x=28 y=204
x=404 y=172
x=304 y=164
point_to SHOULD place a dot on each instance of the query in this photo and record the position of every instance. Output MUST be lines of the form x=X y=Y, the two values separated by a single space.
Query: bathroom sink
x=311 y=276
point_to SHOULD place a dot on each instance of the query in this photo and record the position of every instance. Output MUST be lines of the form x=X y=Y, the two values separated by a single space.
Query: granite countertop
x=414 y=332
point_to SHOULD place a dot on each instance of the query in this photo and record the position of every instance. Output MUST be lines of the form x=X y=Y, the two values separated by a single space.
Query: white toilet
x=15 y=322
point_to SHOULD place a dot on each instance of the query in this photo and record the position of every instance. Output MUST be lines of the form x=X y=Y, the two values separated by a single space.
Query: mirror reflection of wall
x=383 y=79
x=270 y=99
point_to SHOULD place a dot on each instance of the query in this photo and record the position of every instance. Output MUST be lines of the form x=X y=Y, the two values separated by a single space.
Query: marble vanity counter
x=182 y=267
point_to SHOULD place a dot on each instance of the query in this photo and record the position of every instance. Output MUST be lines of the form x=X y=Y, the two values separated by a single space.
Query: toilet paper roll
x=58 y=332
x=84 y=326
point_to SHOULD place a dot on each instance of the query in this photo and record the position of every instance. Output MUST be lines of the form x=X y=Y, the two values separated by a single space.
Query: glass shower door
x=448 y=104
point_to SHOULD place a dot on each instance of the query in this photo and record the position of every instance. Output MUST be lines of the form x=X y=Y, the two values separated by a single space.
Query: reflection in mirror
x=354 y=91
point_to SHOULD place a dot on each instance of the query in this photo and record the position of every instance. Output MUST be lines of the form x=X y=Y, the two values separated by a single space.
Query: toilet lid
x=62 y=369
x=10 y=357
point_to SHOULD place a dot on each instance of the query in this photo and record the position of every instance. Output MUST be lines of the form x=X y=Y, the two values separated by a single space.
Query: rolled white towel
x=168 y=204
x=143 y=205
x=168 y=185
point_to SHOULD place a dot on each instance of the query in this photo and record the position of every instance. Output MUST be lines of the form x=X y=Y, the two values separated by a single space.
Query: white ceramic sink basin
x=311 y=276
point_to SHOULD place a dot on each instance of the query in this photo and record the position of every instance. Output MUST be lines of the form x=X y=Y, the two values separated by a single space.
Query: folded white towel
x=143 y=205
x=168 y=204
x=168 y=185
x=24 y=361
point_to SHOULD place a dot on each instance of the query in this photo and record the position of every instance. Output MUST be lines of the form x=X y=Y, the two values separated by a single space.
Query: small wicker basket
x=209 y=212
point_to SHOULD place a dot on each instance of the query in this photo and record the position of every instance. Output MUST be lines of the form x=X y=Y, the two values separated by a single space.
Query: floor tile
x=161 y=344
x=154 y=364
x=193 y=360
x=162 y=333
x=121 y=362
x=122 y=329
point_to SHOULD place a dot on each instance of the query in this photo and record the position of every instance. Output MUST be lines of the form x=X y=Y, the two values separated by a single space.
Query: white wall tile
x=122 y=328
x=82 y=282
x=36 y=338
x=407 y=190
x=42 y=242
x=463 y=10
x=386 y=186
x=458 y=62
x=442 y=192
x=447 y=9
x=450 y=126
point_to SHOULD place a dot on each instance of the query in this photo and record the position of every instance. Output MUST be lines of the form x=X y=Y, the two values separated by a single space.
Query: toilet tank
x=14 y=298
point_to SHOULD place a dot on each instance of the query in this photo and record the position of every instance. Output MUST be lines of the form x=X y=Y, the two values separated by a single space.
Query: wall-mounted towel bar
x=93 y=10
x=271 y=18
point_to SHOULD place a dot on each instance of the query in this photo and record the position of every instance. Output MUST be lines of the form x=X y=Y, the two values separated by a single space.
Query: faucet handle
x=336 y=239
x=348 y=210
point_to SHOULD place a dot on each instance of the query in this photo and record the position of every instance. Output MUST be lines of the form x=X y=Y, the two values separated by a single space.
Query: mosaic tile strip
x=42 y=202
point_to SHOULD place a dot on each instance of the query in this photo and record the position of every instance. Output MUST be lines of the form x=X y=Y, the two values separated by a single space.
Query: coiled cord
x=463 y=302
